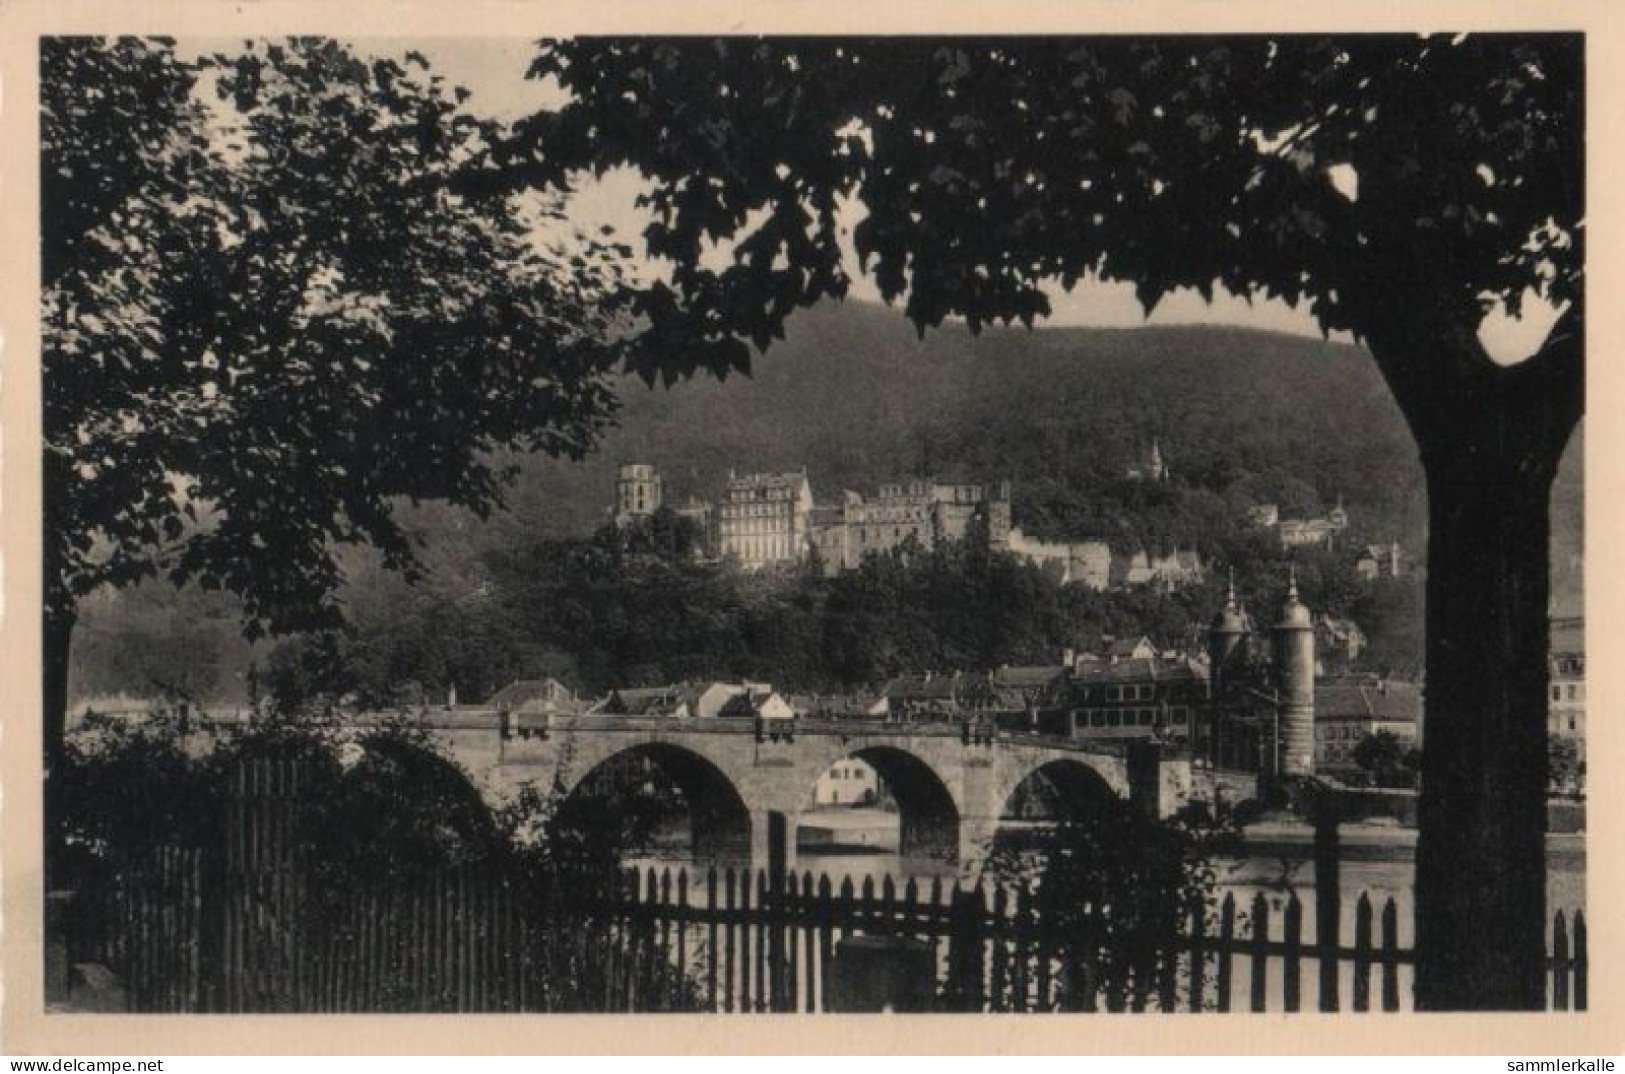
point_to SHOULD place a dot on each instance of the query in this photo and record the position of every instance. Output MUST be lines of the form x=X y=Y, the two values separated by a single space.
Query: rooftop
x=1367 y=697
x=768 y=480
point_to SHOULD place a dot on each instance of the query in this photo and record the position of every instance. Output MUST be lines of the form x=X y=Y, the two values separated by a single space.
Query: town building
x=535 y=696
x=923 y=512
x=1566 y=707
x=1017 y=696
x=664 y=700
x=708 y=699
x=764 y=519
x=1338 y=643
x=848 y=782
x=1379 y=562
x=1352 y=708
x=1317 y=532
x=683 y=700
x=838 y=706
x=756 y=704
x=930 y=695
x=1138 y=693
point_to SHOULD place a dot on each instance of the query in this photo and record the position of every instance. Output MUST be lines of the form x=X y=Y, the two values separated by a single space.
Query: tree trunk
x=58 y=635
x=1480 y=863
x=58 y=617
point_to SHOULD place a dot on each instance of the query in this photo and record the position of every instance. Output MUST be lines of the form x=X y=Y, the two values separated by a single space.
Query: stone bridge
x=953 y=782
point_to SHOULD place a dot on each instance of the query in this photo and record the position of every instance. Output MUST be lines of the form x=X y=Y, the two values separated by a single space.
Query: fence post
x=1019 y=1001
x=711 y=939
x=730 y=930
x=1260 y=948
x=1198 y=950
x=1390 y=956
x=965 y=915
x=1328 y=898
x=1227 y=937
x=1362 y=953
x=1579 y=960
x=826 y=938
x=766 y=971
x=998 y=987
x=1294 y=943
x=787 y=917
x=1560 y=963
x=778 y=854
x=813 y=970
x=745 y=1003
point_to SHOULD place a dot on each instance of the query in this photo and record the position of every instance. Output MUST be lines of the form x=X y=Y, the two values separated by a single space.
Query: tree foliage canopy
x=1334 y=172
x=267 y=316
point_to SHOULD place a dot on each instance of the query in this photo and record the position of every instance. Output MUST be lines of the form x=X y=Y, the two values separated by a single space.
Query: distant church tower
x=1294 y=636
x=638 y=492
x=1152 y=468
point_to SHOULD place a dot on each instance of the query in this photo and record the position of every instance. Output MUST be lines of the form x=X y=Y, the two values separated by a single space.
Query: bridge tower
x=1226 y=642
x=1294 y=637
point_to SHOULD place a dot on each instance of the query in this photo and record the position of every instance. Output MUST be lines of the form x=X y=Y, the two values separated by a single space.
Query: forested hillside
x=855 y=396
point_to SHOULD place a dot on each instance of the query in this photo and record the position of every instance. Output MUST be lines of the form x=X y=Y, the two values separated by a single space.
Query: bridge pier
x=761 y=831
x=976 y=838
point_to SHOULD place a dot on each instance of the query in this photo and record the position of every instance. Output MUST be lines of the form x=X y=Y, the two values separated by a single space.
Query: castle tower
x=638 y=491
x=1294 y=637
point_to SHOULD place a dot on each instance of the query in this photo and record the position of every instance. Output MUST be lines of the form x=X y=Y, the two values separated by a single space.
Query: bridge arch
x=928 y=815
x=431 y=773
x=1046 y=791
x=719 y=822
x=1057 y=789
